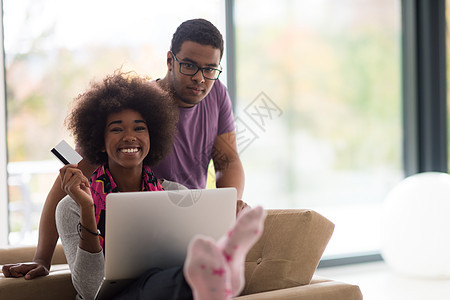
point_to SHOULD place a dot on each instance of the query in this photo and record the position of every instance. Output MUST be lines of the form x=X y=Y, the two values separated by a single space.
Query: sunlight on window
x=53 y=50
x=319 y=98
x=318 y=114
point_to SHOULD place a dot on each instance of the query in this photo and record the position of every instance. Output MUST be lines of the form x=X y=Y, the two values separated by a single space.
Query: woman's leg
x=245 y=233
x=158 y=284
x=206 y=270
x=210 y=266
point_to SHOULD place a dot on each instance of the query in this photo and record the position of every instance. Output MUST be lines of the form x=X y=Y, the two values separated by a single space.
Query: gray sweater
x=87 y=269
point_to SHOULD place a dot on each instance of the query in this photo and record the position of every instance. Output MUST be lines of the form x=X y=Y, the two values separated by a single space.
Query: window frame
x=4 y=212
x=424 y=86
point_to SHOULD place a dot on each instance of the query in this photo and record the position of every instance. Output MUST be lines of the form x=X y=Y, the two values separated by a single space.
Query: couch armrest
x=11 y=255
x=327 y=290
x=56 y=285
x=288 y=252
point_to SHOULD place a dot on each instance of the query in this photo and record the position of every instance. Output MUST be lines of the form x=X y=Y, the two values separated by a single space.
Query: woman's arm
x=76 y=185
x=76 y=224
x=48 y=235
x=87 y=269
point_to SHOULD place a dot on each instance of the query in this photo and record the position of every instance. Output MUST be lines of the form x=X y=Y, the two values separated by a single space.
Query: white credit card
x=65 y=153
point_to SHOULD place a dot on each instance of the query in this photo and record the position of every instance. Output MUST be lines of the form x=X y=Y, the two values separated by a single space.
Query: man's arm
x=48 y=235
x=228 y=166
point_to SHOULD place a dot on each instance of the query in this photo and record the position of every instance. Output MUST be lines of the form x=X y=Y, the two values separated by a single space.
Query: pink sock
x=206 y=270
x=235 y=246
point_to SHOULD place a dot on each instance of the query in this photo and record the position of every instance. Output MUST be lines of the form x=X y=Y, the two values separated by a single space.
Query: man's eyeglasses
x=191 y=69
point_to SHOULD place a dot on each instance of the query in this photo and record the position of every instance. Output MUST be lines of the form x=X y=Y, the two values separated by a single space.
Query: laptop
x=144 y=230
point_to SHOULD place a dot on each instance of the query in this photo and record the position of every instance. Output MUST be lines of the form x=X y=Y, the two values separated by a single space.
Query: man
x=206 y=125
x=205 y=132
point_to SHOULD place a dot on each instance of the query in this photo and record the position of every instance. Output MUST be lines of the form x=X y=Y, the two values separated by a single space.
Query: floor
x=378 y=282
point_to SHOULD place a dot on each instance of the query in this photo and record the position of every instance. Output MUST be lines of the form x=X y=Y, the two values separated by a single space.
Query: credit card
x=66 y=154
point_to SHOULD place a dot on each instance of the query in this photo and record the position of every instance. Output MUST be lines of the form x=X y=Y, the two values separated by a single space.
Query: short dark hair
x=117 y=92
x=199 y=31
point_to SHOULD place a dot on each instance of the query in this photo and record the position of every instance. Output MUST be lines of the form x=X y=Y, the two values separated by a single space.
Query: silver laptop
x=144 y=230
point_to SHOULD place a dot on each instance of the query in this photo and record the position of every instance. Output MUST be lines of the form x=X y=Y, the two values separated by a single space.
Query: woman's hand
x=76 y=185
x=29 y=270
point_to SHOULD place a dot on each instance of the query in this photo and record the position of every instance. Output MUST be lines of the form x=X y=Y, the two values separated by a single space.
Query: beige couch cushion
x=57 y=285
x=318 y=289
x=288 y=252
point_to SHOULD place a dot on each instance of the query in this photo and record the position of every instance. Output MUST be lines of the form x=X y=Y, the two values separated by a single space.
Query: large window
x=319 y=110
x=318 y=101
x=53 y=49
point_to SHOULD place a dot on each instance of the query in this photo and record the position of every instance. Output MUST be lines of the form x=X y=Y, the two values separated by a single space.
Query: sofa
x=280 y=265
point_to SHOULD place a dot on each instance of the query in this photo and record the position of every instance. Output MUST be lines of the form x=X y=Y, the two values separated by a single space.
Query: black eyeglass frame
x=198 y=68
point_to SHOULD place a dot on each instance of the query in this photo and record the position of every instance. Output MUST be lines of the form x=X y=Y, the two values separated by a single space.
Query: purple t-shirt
x=198 y=128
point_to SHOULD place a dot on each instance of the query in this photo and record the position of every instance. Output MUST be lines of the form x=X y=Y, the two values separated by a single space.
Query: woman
x=125 y=124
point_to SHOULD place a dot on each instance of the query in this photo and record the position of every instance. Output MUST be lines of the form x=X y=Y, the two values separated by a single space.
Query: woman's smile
x=129 y=150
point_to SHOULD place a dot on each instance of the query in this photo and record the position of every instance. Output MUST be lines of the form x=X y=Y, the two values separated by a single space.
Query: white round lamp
x=415 y=234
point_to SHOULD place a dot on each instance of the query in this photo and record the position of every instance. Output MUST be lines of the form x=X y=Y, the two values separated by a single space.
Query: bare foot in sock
x=206 y=270
x=235 y=246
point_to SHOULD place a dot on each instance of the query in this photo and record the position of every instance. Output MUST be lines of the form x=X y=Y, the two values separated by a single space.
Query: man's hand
x=240 y=205
x=30 y=270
